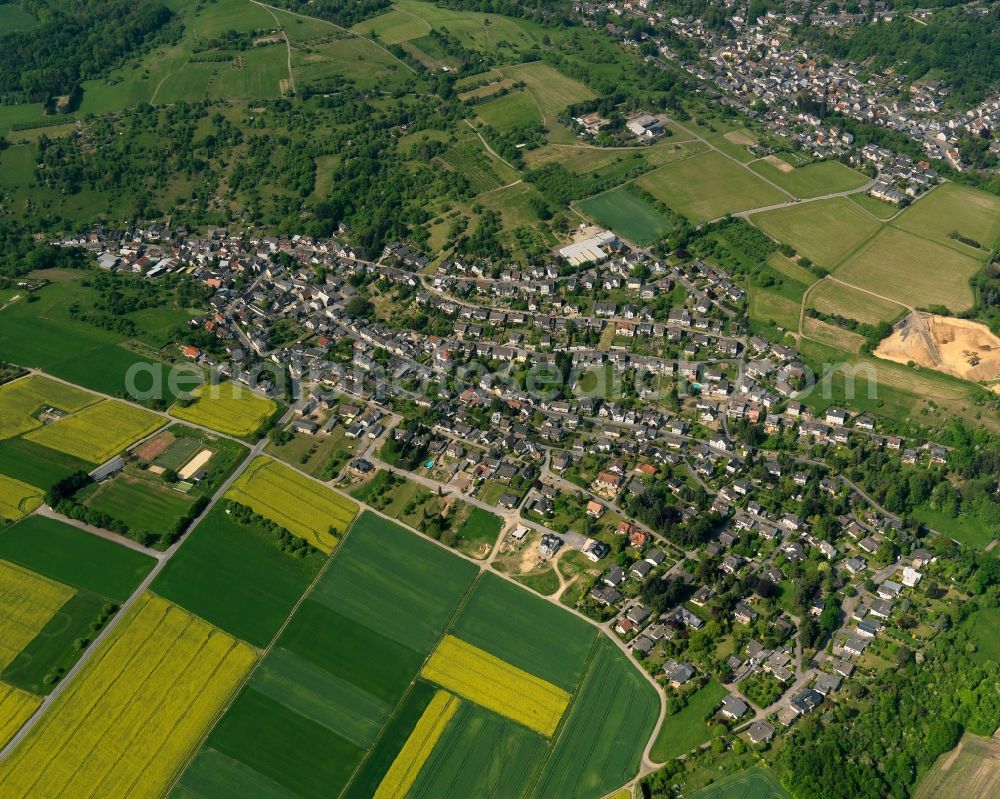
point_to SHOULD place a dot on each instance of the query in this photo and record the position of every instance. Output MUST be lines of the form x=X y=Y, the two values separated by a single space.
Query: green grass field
x=393 y=27
x=479 y=531
x=969 y=530
x=37 y=465
x=972 y=213
x=812 y=180
x=141 y=504
x=834 y=298
x=627 y=215
x=824 y=231
x=606 y=731
x=912 y=270
x=984 y=627
x=236 y=577
x=14 y=18
x=751 y=783
x=709 y=186
x=551 y=90
x=685 y=730
x=515 y=110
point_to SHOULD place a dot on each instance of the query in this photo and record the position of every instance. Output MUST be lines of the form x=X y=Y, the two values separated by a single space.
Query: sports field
x=228 y=408
x=130 y=718
x=751 y=783
x=21 y=400
x=302 y=506
x=629 y=216
x=73 y=557
x=17 y=498
x=835 y=298
x=27 y=602
x=912 y=270
x=236 y=577
x=811 y=180
x=709 y=186
x=98 y=432
x=949 y=207
x=824 y=231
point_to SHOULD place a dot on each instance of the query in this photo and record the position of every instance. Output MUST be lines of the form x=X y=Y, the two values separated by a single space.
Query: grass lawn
x=835 y=298
x=687 y=729
x=811 y=180
x=912 y=270
x=236 y=577
x=972 y=213
x=709 y=186
x=73 y=557
x=627 y=215
x=880 y=209
x=393 y=27
x=770 y=307
x=824 y=231
x=970 y=531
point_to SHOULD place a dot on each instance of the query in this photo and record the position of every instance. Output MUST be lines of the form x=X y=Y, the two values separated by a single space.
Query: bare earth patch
x=155 y=447
x=957 y=347
x=777 y=163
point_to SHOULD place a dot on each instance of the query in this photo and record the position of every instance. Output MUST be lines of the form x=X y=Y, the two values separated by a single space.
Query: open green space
x=627 y=215
x=709 y=186
x=141 y=504
x=686 y=729
x=73 y=557
x=237 y=577
x=551 y=90
x=811 y=180
x=824 y=231
x=984 y=627
x=951 y=208
x=393 y=27
x=751 y=783
x=514 y=110
x=835 y=298
x=967 y=529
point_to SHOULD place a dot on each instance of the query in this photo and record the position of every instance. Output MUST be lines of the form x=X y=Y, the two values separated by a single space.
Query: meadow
x=709 y=186
x=751 y=783
x=824 y=231
x=550 y=89
x=17 y=499
x=950 y=207
x=629 y=216
x=130 y=718
x=812 y=180
x=968 y=770
x=37 y=465
x=514 y=110
x=73 y=557
x=16 y=707
x=21 y=400
x=302 y=506
x=686 y=729
x=606 y=731
x=912 y=270
x=496 y=685
x=835 y=298
x=227 y=408
x=98 y=432
x=27 y=602
x=236 y=577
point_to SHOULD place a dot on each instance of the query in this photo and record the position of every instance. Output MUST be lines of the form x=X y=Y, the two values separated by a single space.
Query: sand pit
x=777 y=163
x=193 y=466
x=739 y=137
x=957 y=347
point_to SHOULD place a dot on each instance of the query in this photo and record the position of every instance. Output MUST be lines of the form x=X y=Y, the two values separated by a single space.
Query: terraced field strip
x=27 y=602
x=496 y=685
x=404 y=770
x=129 y=719
x=227 y=408
x=300 y=505
x=99 y=432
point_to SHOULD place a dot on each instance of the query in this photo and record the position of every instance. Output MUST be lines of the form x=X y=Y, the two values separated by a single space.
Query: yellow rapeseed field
x=17 y=499
x=21 y=399
x=27 y=602
x=228 y=408
x=418 y=747
x=300 y=505
x=496 y=685
x=16 y=707
x=130 y=719
x=99 y=432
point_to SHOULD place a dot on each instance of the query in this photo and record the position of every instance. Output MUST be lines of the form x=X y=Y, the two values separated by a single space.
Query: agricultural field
x=132 y=716
x=949 y=208
x=912 y=271
x=227 y=408
x=73 y=557
x=193 y=455
x=17 y=499
x=810 y=180
x=709 y=186
x=393 y=27
x=236 y=576
x=629 y=216
x=514 y=110
x=751 y=783
x=551 y=90
x=22 y=401
x=968 y=770
x=474 y=31
x=835 y=298
x=495 y=685
x=27 y=602
x=358 y=59
x=144 y=505
x=824 y=231
x=98 y=432
x=16 y=707
x=302 y=506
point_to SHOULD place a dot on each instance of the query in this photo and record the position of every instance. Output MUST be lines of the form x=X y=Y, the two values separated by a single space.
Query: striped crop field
x=27 y=602
x=227 y=408
x=418 y=747
x=99 y=432
x=21 y=400
x=130 y=719
x=496 y=685
x=302 y=506
x=16 y=707
x=17 y=499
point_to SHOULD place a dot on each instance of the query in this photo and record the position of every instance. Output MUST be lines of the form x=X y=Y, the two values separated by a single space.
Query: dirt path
x=489 y=149
x=288 y=45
